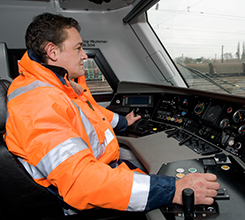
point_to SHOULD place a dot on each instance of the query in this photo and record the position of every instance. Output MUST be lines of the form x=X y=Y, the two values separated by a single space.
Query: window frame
x=104 y=66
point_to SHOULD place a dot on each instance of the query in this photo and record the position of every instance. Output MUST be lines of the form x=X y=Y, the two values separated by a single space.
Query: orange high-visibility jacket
x=66 y=140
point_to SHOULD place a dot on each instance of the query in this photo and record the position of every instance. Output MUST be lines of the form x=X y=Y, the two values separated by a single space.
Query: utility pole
x=222 y=53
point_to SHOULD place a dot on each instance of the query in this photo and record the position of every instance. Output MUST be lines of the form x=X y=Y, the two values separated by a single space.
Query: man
x=65 y=140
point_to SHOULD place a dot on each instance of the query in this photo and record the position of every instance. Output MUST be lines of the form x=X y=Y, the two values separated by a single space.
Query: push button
x=180 y=175
x=192 y=170
x=180 y=170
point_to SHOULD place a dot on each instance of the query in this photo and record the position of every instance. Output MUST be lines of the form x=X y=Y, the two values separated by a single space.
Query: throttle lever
x=188 y=203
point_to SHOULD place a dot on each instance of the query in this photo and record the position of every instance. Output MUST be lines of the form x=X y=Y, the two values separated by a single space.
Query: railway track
x=208 y=82
x=235 y=85
x=98 y=86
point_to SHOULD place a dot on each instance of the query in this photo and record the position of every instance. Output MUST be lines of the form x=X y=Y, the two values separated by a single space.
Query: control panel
x=205 y=124
x=230 y=196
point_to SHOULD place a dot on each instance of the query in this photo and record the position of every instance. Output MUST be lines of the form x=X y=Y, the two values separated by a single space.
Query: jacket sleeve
x=162 y=190
x=121 y=125
x=118 y=122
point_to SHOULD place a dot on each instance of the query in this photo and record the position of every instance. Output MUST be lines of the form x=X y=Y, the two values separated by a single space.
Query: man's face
x=71 y=55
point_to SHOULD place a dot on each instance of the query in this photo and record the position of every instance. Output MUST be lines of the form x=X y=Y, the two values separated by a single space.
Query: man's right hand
x=204 y=185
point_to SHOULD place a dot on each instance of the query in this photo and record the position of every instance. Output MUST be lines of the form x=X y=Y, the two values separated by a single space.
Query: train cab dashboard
x=203 y=121
x=183 y=130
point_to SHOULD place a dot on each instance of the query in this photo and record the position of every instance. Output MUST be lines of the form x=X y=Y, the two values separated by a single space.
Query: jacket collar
x=57 y=70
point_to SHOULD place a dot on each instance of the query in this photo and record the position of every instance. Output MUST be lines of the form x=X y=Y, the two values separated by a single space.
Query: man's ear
x=52 y=51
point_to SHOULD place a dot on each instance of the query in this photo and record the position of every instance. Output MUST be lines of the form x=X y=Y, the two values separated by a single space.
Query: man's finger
x=210 y=177
x=211 y=193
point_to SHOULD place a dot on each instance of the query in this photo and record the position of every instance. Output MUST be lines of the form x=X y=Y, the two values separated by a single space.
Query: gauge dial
x=241 y=130
x=239 y=116
x=224 y=123
x=199 y=108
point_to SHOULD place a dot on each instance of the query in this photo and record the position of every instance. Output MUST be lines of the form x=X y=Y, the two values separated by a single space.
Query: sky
x=199 y=28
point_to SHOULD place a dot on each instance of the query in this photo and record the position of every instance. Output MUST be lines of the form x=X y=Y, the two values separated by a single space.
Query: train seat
x=4 y=63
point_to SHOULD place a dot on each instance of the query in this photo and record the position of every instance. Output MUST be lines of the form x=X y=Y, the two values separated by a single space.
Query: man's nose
x=84 y=55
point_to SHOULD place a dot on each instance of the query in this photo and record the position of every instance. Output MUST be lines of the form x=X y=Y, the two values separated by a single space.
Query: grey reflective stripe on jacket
x=27 y=88
x=60 y=153
x=54 y=157
x=98 y=149
x=140 y=192
x=114 y=120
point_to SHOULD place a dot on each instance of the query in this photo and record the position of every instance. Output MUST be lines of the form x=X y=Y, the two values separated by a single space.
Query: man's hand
x=131 y=118
x=204 y=185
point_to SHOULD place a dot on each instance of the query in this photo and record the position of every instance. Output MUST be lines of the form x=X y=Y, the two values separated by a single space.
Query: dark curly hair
x=47 y=28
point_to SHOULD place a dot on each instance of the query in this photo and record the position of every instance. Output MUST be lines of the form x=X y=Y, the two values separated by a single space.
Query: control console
x=205 y=122
x=211 y=122
x=229 y=203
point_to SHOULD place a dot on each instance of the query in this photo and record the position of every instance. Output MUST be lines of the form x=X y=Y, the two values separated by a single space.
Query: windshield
x=205 y=39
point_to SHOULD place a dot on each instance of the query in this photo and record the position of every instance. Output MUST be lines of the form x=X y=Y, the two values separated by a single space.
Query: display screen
x=139 y=100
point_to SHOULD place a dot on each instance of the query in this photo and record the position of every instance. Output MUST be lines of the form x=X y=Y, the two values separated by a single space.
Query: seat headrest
x=3 y=105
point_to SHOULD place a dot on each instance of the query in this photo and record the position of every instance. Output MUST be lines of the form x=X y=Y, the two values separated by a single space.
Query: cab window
x=95 y=79
x=206 y=41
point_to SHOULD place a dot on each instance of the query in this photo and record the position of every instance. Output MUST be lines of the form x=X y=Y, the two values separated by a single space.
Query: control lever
x=205 y=169
x=173 y=132
x=136 y=111
x=185 y=140
x=188 y=203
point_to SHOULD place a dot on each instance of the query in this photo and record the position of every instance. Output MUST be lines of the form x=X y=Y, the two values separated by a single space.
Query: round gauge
x=239 y=116
x=241 y=130
x=224 y=123
x=199 y=108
